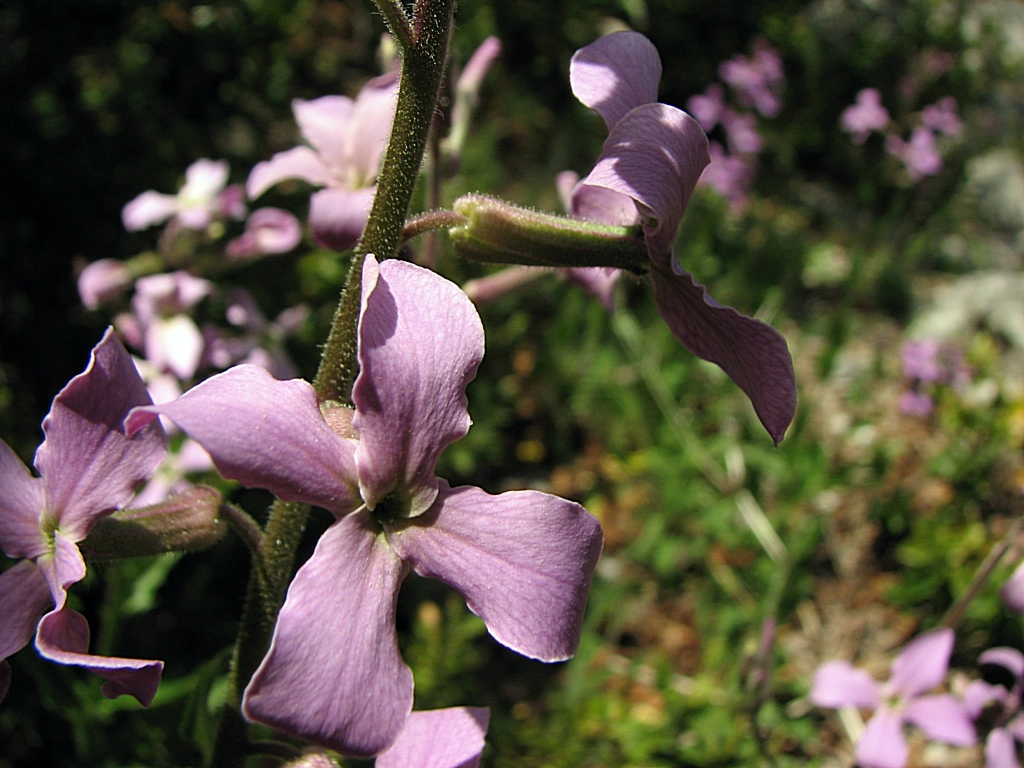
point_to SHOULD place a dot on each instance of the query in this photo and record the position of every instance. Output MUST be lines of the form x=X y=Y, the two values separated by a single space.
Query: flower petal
x=88 y=463
x=600 y=281
x=63 y=637
x=22 y=502
x=655 y=154
x=616 y=73
x=604 y=205
x=370 y=128
x=337 y=216
x=296 y=163
x=439 y=738
x=265 y=434
x=922 y=663
x=1008 y=658
x=325 y=123
x=1012 y=591
x=942 y=718
x=753 y=353
x=1000 y=750
x=882 y=744
x=24 y=599
x=523 y=560
x=148 y=209
x=333 y=674
x=840 y=684
x=420 y=342
x=61 y=567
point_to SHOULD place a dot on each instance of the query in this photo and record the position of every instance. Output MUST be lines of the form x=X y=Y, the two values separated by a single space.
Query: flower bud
x=185 y=522
x=499 y=232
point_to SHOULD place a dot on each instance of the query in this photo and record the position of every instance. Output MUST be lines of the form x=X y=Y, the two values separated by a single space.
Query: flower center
x=389 y=509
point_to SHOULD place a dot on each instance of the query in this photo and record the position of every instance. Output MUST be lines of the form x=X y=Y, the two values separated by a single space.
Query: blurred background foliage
x=861 y=529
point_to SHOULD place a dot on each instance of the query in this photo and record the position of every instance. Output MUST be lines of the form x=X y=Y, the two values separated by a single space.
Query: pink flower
x=920 y=666
x=88 y=467
x=756 y=80
x=942 y=117
x=169 y=337
x=921 y=360
x=865 y=116
x=268 y=231
x=1001 y=744
x=645 y=176
x=102 y=281
x=729 y=175
x=708 y=107
x=919 y=155
x=522 y=559
x=347 y=141
x=197 y=203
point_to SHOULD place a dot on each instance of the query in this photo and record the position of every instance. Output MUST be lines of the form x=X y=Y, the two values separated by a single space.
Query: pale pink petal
x=882 y=744
x=565 y=183
x=175 y=344
x=63 y=637
x=88 y=463
x=753 y=353
x=616 y=73
x=1000 y=750
x=24 y=599
x=325 y=123
x=334 y=675
x=600 y=281
x=655 y=154
x=840 y=684
x=523 y=560
x=1012 y=591
x=337 y=217
x=603 y=205
x=297 y=163
x=942 y=718
x=268 y=231
x=102 y=281
x=22 y=503
x=148 y=209
x=204 y=179
x=980 y=694
x=1009 y=658
x=61 y=567
x=265 y=434
x=478 y=66
x=370 y=128
x=439 y=738
x=420 y=342
x=922 y=663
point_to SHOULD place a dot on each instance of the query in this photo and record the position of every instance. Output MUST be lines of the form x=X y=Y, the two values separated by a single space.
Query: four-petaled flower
x=920 y=666
x=201 y=199
x=348 y=138
x=523 y=559
x=88 y=468
x=646 y=173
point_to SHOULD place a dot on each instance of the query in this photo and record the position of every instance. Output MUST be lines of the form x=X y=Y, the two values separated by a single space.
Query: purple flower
x=708 y=107
x=757 y=80
x=942 y=117
x=268 y=231
x=865 y=116
x=647 y=171
x=1012 y=591
x=197 y=203
x=262 y=343
x=729 y=175
x=439 y=738
x=741 y=132
x=88 y=468
x=522 y=559
x=1000 y=746
x=102 y=281
x=170 y=338
x=919 y=155
x=921 y=360
x=348 y=139
x=920 y=666
x=916 y=404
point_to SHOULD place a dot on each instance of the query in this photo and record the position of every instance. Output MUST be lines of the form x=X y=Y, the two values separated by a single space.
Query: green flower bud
x=499 y=232
x=185 y=522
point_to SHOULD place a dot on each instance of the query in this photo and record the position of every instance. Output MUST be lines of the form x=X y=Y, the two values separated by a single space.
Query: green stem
x=397 y=20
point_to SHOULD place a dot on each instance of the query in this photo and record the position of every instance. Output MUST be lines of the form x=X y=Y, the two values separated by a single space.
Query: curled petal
x=1008 y=658
x=439 y=738
x=942 y=718
x=63 y=637
x=882 y=744
x=24 y=599
x=753 y=353
x=297 y=163
x=420 y=342
x=334 y=675
x=265 y=434
x=1000 y=750
x=523 y=560
x=840 y=684
x=22 y=501
x=603 y=205
x=62 y=567
x=337 y=216
x=922 y=663
x=655 y=154
x=616 y=73
x=90 y=466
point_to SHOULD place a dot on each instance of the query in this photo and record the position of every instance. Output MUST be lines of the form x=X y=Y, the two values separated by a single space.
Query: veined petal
x=88 y=463
x=420 y=342
x=337 y=216
x=603 y=205
x=296 y=163
x=753 y=353
x=882 y=744
x=333 y=674
x=840 y=684
x=61 y=567
x=63 y=637
x=523 y=560
x=616 y=73
x=1000 y=750
x=439 y=738
x=655 y=154
x=368 y=132
x=942 y=718
x=22 y=503
x=265 y=433
x=922 y=663
x=24 y=599
x=324 y=123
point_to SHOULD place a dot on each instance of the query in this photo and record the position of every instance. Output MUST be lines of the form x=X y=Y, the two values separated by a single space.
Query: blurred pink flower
x=1001 y=744
x=865 y=116
x=919 y=155
x=161 y=327
x=707 y=107
x=916 y=404
x=102 y=281
x=757 y=80
x=729 y=175
x=942 y=117
x=197 y=203
x=921 y=360
x=268 y=231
